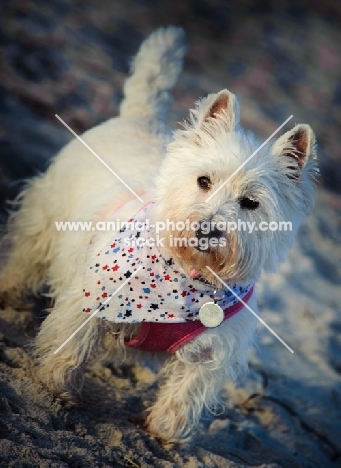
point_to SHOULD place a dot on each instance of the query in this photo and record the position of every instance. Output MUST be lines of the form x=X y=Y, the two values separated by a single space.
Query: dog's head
x=222 y=195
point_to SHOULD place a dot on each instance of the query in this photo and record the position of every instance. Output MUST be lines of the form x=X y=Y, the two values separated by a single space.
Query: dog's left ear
x=297 y=145
x=222 y=106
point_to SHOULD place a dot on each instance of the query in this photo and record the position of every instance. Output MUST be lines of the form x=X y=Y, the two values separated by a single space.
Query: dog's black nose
x=206 y=232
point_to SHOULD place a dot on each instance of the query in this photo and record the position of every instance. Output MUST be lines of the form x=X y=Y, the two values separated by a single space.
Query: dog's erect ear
x=223 y=106
x=297 y=146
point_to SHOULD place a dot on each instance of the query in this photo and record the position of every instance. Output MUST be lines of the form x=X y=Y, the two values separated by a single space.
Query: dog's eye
x=204 y=182
x=248 y=203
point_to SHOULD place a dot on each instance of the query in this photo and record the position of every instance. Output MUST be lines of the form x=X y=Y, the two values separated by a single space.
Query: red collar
x=169 y=337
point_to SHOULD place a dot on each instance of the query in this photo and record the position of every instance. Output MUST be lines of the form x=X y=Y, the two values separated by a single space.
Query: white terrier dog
x=164 y=296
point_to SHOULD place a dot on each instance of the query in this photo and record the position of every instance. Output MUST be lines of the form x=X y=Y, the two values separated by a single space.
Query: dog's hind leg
x=29 y=236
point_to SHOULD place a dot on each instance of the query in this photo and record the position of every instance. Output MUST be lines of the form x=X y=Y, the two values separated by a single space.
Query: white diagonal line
x=252 y=311
x=94 y=313
x=99 y=158
x=248 y=159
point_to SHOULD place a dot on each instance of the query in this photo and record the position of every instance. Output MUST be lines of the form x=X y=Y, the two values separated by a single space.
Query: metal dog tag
x=211 y=315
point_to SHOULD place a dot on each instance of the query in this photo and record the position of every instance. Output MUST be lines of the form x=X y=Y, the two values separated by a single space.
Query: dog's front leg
x=59 y=356
x=186 y=387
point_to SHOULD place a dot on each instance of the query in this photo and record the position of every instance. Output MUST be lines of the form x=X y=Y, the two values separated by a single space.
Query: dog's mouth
x=198 y=276
x=195 y=274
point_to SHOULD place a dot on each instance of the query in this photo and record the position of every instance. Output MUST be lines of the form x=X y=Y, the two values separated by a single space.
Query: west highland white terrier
x=174 y=280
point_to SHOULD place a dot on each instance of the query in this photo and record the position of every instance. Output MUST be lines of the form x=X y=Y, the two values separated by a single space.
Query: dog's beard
x=237 y=257
x=222 y=258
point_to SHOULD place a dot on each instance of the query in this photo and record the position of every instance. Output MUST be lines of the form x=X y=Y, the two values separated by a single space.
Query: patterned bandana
x=157 y=293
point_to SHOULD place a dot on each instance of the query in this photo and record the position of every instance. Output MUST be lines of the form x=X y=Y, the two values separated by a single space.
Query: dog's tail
x=154 y=72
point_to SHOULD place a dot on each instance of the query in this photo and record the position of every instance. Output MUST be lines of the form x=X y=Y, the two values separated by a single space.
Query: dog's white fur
x=78 y=187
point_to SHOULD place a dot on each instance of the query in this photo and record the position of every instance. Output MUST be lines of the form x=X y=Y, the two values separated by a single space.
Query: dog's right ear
x=218 y=110
x=213 y=116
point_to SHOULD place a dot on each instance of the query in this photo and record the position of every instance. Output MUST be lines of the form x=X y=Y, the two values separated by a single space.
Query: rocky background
x=281 y=58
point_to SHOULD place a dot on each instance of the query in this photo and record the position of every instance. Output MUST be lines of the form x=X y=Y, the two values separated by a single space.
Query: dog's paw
x=65 y=396
x=153 y=430
x=63 y=383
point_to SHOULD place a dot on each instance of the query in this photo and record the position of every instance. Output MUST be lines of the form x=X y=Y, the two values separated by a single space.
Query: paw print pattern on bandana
x=158 y=293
